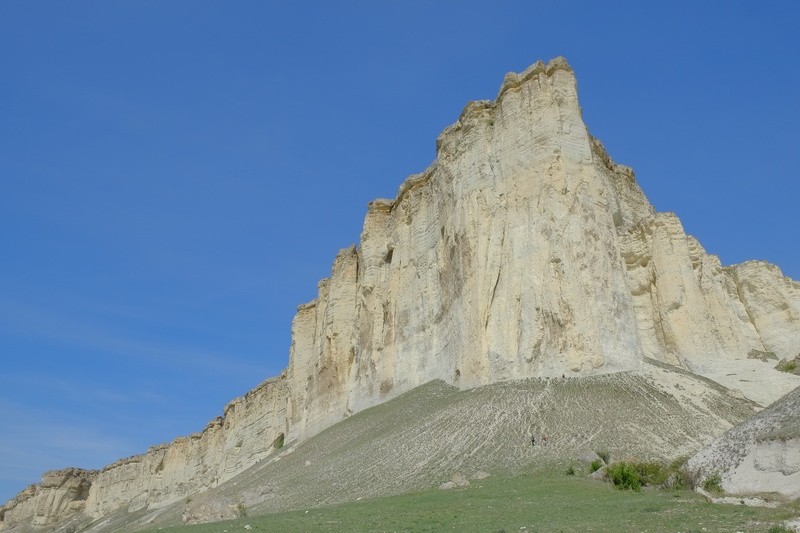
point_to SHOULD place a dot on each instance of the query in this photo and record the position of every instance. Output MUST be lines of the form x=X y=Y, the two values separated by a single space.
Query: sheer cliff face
x=244 y=435
x=483 y=267
x=522 y=251
x=60 y=494
x=693 y=312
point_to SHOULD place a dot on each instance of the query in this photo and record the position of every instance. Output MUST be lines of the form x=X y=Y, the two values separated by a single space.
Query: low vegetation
x=634 y=475
x=713 y=483
x=762 y=355
x=546 y=501
x=624 y=476
x=792 y=366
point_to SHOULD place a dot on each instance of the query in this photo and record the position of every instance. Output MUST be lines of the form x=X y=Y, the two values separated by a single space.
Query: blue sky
x=175 y=177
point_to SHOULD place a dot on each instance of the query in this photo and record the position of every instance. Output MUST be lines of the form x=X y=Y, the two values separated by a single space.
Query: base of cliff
x=422 y=438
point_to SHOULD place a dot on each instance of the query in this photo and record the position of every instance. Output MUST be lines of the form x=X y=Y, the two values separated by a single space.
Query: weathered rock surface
x=244 y=435
x=762 y=454
x=522 y=251
x=481 y=268
x=229 y=444
x=60 y=494
x=201 y=509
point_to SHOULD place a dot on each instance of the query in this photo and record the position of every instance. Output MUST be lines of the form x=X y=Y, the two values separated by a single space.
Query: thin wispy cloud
x=88 y=391
x=23 y=319
x=44 y=440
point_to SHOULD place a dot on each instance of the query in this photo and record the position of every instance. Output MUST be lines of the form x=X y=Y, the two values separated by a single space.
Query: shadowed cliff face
x=523 y=251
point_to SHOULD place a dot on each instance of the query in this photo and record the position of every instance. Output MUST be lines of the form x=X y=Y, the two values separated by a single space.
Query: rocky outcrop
x=245 y=434
x=60 y=494
x=250 y=429
x=695 y=313
x=762 y=454
x=523 y=251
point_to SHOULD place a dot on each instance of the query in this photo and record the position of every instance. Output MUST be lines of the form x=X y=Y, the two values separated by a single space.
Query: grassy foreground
x=542 y=502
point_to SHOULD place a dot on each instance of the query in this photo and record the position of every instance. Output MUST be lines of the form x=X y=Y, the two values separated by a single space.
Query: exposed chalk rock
x=168 y=473
x=481 y=268
x=762 y=454
x=60 y=494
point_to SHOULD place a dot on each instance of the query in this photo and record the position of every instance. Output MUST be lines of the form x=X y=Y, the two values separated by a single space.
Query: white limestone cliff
x=480 y=269
x=522 y=251
x=695 y=313
x=248 y=431
x=60 y=494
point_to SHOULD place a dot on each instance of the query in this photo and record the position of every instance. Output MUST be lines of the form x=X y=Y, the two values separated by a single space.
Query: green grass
x=543 y=502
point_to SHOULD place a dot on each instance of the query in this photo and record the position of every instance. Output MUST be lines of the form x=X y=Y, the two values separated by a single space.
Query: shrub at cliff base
x=635 y=475
x=624 y=476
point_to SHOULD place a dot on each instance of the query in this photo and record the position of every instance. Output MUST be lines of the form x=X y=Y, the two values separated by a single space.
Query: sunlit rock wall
x=500 y=261
x=245 y=434
x=60 y=494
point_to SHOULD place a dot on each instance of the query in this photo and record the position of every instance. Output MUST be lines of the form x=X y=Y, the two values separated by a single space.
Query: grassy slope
x=420 y=439
x=545 y=501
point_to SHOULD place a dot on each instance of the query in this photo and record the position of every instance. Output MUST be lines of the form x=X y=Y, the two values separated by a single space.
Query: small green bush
x=241 y=510
x=279 y=441
x=779 y=529
x=789 y=365
x=604 y=455
x=636 y=474
x=713 y=483
x=570 y=471
x=624 y=476
x=651 y=473
x=678 y=463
